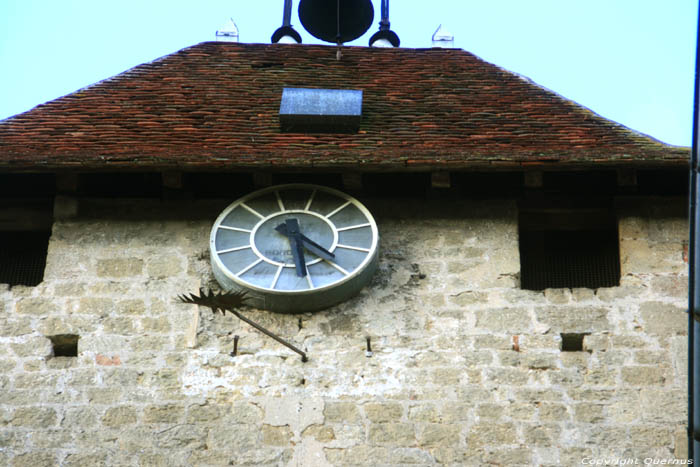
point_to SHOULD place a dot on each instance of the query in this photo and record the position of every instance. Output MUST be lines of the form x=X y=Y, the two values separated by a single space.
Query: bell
x=323 y=20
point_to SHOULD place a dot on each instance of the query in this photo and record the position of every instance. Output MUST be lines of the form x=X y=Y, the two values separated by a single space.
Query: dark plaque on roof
x=320 y=110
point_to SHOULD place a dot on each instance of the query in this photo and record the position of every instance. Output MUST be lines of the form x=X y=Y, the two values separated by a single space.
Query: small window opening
x=575 y=248
x=572 y=342
x=65 y=345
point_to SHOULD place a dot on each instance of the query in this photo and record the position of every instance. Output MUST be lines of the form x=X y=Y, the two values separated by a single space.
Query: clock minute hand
x=290 y=229
x=316 y=249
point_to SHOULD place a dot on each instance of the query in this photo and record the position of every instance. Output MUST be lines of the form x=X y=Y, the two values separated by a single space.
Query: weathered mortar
x=444 y=386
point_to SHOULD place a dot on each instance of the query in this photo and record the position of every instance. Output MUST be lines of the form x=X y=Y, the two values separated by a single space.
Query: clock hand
x=315 y=248
x=309 y=244
x=291 y=230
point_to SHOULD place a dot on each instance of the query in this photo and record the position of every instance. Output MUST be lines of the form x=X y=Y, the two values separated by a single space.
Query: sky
x=631 y=61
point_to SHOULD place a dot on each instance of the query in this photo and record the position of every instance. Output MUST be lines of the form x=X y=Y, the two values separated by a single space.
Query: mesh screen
x=23 y=257
x=556 y=258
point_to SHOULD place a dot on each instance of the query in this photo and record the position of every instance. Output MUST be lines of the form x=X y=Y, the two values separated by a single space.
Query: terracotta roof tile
x=216 y=104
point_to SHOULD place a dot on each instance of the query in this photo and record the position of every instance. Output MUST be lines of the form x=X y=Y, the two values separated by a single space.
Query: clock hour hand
x=309 y=244
x=291 y=230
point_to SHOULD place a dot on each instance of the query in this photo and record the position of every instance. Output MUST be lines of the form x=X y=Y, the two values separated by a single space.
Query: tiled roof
x=216 y=105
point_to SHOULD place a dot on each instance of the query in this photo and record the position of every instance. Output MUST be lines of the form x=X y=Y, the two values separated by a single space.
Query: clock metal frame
x=301 y=300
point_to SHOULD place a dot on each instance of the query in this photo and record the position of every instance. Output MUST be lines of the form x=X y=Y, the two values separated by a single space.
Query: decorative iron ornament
x=231 y=301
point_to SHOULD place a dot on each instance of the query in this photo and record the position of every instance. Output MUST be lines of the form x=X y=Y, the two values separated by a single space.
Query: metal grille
x=23 y=257
x=559 y=258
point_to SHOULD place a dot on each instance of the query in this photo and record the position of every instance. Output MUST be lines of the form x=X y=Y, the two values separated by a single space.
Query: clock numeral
x=336 y=211
x=253 y=211
x=351 y=227
x=356 y=248
x=229 y=250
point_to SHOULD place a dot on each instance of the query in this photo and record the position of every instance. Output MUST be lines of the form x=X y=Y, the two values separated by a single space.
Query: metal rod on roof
x=693 y=265
x=287 y=16
x=384 y=22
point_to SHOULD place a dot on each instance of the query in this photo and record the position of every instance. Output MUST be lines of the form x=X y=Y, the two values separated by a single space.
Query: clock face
x=294 y=248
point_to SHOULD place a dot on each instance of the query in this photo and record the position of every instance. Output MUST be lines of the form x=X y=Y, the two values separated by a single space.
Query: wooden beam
x=262 y=179
x=440 y=179
x=533 y=179
x=352 y=181
x=172 y=180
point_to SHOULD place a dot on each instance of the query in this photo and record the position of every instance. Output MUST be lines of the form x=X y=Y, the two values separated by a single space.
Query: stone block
x=169 y=413
x=119 y=326
x=468 y=298
x=540 y=361
x=33 y=346
x=558 y=296
x=83 y=417
x=663 y=319
x=543 y=435
x=580 y=294
x=553 y=412
x=164 y=267
x=186 y=438
x=35 y=459
x=119 y=267
x=13 y=325
x=447 y=376
x=276 y=435
x=69 y=289
x=131 y=307
x=609 y=294
x=589 y=413
x=383 y=412
x=506 y=456
x=508 y=376
x=155 y=325
x=675 y=286
x=492 y=435
x=573 y=319
x=508 y=320
x=596 y=342
x=246 y=412
x=34 y=417
x=601 y=376
x=96 y=306
x=664 y=405
x=85 y=459
x=116 y=417
x=36 y=306
x=427 y=412
x=644 y=375
x=490 y=411
x=433 y=434
x=395 y=434
x=321 y=433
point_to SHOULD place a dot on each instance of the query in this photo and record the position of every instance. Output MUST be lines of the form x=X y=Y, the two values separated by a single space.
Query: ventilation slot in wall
x=65 y=345
x=572 y=342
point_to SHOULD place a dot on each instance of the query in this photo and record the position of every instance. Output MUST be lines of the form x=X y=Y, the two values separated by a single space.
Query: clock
x=294 y=248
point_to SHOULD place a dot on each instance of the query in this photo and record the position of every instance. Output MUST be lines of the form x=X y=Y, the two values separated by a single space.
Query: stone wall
x=467 y=369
